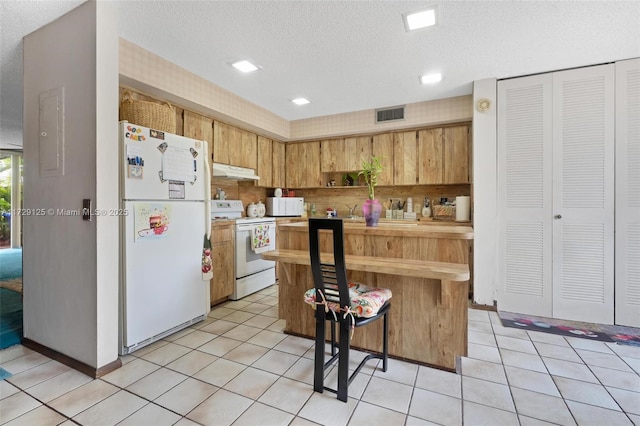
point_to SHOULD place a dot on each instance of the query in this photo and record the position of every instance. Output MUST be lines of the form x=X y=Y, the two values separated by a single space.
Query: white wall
x=70 y=265
x=484 y=194
x=107 y=175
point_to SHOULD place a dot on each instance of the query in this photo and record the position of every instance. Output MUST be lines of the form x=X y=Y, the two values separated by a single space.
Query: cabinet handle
x=558 y=216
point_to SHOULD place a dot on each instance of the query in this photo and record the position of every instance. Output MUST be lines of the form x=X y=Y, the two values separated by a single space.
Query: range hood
x=233 y=172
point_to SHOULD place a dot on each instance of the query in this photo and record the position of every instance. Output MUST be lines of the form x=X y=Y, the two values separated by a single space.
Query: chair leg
x=385 y=342
x=318 y=370
x=343 y=360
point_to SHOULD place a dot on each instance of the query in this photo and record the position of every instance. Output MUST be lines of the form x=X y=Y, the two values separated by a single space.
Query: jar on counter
x=261 y=209
x=252 y=210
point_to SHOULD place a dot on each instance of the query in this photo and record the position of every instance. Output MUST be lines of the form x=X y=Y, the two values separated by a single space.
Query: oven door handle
x=250 y=227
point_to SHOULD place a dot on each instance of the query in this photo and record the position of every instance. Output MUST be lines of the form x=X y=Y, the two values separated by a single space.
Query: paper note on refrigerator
x=178 y=164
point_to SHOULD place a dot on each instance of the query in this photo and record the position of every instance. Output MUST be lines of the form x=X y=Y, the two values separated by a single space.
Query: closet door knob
x=558 y=216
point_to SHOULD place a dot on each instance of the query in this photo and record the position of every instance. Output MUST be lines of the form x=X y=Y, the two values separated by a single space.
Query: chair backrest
x=329 y=278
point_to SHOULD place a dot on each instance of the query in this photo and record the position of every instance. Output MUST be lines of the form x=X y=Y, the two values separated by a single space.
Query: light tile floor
x=238 y=368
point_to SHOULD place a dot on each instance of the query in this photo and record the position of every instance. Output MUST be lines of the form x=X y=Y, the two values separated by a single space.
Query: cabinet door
x=222 y=254
x=278 y=164
x=456 y=154
x=583 y=195
x=243 y=148
x=627 y=193
x=382 y=147
x=312 y=177
x=430 y=157
x=303 y=165
x=295 y=157
x=404 y=158
x=332 y=155
x=265 y=162
x=200 y=128
x=356 y=151
x=221 y=142
x=249 y=150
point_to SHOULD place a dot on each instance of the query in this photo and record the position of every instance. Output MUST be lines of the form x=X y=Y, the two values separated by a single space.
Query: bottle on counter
x=426 y=210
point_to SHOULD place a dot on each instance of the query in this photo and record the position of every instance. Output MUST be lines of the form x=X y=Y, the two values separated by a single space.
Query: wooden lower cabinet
x=222 y=254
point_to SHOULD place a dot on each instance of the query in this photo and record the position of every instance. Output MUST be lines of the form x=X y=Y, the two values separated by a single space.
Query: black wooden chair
x=346 y=304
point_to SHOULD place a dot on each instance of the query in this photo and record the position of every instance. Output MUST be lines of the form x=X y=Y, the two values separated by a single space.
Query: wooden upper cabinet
x=357 y=150
x=234 y=146
x=456 y=154
x=344 y=155
x=294 y=155
x=430 y=157
x=265 y=162
x=199 y=127
x=278 y=164
x=243 y=149
x=221 y=142
x=332 y=155
x=404 y=158
x=303 y=165
x=382 y=147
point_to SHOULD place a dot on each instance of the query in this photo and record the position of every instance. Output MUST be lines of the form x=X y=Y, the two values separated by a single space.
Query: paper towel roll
x=463 y=204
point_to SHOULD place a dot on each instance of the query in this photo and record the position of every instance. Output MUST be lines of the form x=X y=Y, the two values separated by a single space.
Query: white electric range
x=252 y=273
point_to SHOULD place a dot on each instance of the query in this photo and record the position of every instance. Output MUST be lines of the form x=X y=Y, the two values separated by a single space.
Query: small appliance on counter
x=285 y=206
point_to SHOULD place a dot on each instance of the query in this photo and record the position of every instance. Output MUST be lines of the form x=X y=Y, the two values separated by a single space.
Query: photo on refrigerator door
x=152 y=220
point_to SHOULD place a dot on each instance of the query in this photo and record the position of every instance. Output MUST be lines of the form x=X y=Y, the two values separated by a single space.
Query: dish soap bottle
x=426 y=210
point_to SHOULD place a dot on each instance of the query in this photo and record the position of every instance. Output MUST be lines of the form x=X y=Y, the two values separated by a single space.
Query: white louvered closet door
x=628 y=193
x=524 y=195
x=583 y=194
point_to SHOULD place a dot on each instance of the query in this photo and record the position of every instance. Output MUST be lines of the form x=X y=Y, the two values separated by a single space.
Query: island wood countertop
x=394 y=229
x=381 y=265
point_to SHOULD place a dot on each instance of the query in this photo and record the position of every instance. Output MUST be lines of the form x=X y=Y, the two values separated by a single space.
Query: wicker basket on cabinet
x=444 y=212
x=149 y=114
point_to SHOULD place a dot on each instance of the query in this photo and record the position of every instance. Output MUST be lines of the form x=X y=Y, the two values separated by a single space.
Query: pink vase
x=371 y=209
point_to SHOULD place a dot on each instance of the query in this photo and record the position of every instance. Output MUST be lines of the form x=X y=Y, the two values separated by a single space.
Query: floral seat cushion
x=365 y=301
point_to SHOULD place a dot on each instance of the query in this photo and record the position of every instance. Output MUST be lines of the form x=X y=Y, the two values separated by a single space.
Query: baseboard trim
x=71 y=362
x=480 y=307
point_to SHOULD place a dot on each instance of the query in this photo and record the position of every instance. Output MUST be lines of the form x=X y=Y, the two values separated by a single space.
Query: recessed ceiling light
x=300 y=101
x=421 y=19
x=431 y=78
x=244 y=66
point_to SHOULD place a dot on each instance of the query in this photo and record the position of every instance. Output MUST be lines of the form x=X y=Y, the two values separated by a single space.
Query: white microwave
x=285 y=206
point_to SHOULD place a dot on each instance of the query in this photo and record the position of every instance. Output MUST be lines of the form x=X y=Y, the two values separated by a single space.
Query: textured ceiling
x=345 y=55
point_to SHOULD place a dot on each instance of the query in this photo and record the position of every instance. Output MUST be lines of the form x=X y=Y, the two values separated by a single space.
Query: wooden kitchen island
x=426 y=268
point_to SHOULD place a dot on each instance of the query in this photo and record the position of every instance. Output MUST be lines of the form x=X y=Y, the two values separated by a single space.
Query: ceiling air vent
x=389 y=114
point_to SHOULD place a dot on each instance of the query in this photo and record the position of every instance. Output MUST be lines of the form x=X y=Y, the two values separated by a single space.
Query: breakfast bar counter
x=426 y=268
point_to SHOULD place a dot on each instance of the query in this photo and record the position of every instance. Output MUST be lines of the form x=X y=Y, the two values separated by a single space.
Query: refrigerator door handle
x=207 y=189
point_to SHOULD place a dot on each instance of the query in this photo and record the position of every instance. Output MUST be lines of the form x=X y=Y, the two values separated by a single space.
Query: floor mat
x=10 y=318
x=600 y=332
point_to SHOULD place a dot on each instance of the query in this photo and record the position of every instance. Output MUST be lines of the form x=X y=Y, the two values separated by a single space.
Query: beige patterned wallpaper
x=421 y=114
x=152 y=74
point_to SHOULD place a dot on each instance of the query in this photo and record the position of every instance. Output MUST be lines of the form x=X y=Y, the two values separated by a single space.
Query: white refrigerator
x=164 y=187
